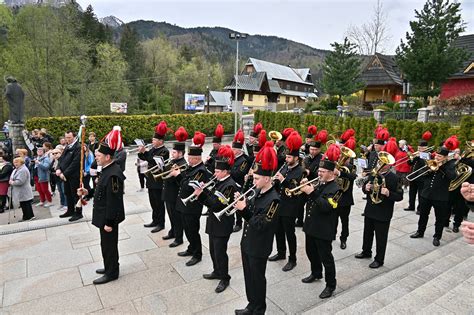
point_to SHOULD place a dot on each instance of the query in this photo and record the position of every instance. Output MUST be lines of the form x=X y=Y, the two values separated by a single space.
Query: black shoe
x=244 y=311
x=2 y=210
x=362 y=214
x=409 y=209
x=76 y=216
x=210 y=276
x=184 y=254
x=223 y=284
x=66 y=214
x=362 y=255
x=343 y=245
x=100 y=271
x=455 y=229
x=277 y=257
x=375 y=264
x=289 y=265
x=327 y=292
x=364 y=198
x=150 y=224
x=436 y=242
x=299 y=224
x=157 y=229
x=206 y=213
x=193 y=261
x=417 y=235
x=175 y=243
x=417 y=212
x=237 y=228
x=310 y=279
x=104 y=279
x=166 y=237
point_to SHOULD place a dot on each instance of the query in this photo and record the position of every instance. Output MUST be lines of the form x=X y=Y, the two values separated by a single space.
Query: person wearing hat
x=312 y=131
x=319 y=224
x=260 y=214
x=253 y=140
x=171 y=189
x=378 y=215
x=435 y=191
x=219 y=231
x=216 y=144
x=155 y=187
x=311 y=161
x=288 y=177
x=191 y=211
x=108 y=209
x=240 y=169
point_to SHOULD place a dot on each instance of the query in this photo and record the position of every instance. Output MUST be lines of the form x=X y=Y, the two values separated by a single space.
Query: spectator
x=21 y=190
x=23 y=153
x=5 y=129
x=142 y=167
x=467 y=228
x=88 y=159
x=63 y=142
x=6 y=170
x=48 y=147
x=45 y=135
x=56 y=153
x=93 y=144
x=120 y=158
x=43 y=169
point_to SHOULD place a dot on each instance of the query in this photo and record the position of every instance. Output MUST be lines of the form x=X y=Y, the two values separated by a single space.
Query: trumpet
x=196 y=185
x=411 y=156
x=165 y=175
x=149 y=145
x=297 y=190
x=230 y=209
x=156 y=167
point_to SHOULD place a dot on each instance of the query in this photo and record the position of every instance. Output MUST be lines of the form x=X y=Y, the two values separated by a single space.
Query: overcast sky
x=316 y=23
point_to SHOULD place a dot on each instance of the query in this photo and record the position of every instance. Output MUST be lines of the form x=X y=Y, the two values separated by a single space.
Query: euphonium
x=385 y=158
x=346 y=154
x=463 y=171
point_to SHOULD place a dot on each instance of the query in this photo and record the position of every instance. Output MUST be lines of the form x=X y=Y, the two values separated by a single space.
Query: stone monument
x=15 y=98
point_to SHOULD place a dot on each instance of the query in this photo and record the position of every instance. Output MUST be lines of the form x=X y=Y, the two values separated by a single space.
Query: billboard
x=118 y=108
x=194 y=101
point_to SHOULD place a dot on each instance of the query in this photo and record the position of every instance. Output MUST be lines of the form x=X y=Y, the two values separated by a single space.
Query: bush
x=135 y=126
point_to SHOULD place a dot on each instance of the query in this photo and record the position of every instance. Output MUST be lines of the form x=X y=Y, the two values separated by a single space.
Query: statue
x=15 y=96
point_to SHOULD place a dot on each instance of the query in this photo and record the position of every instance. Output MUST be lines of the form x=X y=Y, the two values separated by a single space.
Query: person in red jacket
x=403 y=169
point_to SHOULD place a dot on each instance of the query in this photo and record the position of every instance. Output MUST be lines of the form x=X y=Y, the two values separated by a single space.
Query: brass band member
x=311 y=162
x=155 y=187
x=312 y=130
x=320 y=221
x=289 y=177
x=253 y=140
x=383 y=190
x=191 y=212
x=171 y=189
x=219 y=231
x=260 y=213
x=435 y=191
x=216 y=144
x=262 y=139
x=281 y=148
x=240 y=168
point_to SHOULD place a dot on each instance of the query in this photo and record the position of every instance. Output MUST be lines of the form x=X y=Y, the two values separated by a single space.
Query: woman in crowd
x=21 y=190
x=48 y=147
x=59 y=183
x=43 y=170
x=6 y=170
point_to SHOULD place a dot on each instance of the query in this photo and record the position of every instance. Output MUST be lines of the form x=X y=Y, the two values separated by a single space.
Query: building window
x=250 y=97
x=296 y=88
x=288 y=87
x=287 y=99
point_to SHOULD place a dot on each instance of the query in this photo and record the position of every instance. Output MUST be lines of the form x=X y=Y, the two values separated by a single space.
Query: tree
x=428 y=58
x=371 y=37
x=341 y=70
x=93 y=31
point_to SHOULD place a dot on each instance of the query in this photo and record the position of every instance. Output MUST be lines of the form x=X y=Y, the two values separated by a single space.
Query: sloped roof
x=466 y=42
x=248 y=82
x=274 y=87
x=381 y=70
x=276 y=71
x=303 y=73
x=220 y=98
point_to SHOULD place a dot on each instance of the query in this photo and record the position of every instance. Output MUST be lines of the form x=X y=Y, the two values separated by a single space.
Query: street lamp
x=403 y=106
x=236 y=37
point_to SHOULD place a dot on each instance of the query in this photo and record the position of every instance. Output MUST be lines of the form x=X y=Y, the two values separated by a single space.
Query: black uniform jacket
x=416 y=164
x=108 y=206
x=240 y=169
x=250 y=150
x=281 y=155
x=347 y=198
x=171 y=185
x=383 y=211
x=372 y=160
x=70 y=161
x=312 y=164
x=288 y=205
x=214 y=227
x=321 y=216
x=162 y=151
x=210 y=163
x=436 y=184
x=260 y=224
x=199 y=173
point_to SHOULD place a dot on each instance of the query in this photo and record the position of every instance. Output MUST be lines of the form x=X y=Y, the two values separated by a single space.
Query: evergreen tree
x=341 y=70
x=428 y=58
x=93 y=32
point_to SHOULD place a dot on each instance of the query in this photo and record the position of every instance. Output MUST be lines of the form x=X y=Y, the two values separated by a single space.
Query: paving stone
x=67 y=230
x=195 y=272
x=161 y=256
x=37 y=249
x=92 y=238
x=434 y=309
x=22 y=239
x=369 y=306
x=22 y=290
x=12 y=270
x=459 y=300
x=58 y=260
x=126 y=246
x=124 y=308
x=239 y=303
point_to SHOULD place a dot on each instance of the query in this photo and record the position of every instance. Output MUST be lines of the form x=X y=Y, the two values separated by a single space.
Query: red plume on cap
x=226 y=153
x=267 y=157
x=322 y=136
x=427 y=136
x=286 y=132
x=350 y=143
x=219 y=132
x=391 y=146
x=452 y=143
x=262 y=138
x=181 y=134
x=161 y=128
x=333 y=152
x=114 y=138
x=347 y=134
x=312 y=130
x=377 y=130
x=239 y=137
x=294 y=141
x=199 y=139
x=257 y=128
x=383 y=134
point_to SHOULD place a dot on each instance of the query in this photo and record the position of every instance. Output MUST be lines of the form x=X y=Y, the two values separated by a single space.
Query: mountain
x=111 y=21
x=18 y=3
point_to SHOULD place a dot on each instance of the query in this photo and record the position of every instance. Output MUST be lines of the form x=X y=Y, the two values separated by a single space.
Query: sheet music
x=362 y=163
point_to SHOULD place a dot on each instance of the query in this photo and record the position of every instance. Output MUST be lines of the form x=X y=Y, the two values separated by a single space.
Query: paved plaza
x=50 y=268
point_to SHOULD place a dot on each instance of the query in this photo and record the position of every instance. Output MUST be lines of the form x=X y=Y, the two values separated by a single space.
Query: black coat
x=347 y=198
x=260 y=224
x=162 y=151
x=6 y=169
x=321 y=216
x=108 y=206
x=312 y=164
x=171 y=185
x=210 y=163
x=372 y=160
x=120 y=158
x=436 y=184
x=240 y=169
x=70 y=161
x=288 y=205
x=199 y=173
x=384 y=211
x=416 y=164
x=281 y=155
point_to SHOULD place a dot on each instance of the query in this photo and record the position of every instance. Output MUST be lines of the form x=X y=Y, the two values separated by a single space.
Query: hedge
x=135 y=126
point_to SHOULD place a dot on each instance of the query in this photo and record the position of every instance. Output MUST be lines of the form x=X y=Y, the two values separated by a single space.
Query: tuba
x=385 y=158
x=463 y=171
x=275 y=135
x=346 y=154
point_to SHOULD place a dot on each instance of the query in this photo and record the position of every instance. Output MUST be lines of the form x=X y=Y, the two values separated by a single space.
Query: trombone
x=196 y=185
x=230 y=209
x=156 y=167
x=149 y=145
x=411 y=156
x=430 y=166
x=297 y=190
x=165 y=175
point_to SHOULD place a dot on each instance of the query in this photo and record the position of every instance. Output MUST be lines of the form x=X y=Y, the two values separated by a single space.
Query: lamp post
x=236 y=37
x=403 y=106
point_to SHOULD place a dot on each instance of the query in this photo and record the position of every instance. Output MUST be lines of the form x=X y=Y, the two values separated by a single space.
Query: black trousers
x=458 y=206
x=255 y=282
x=27 y=209
x=343 y=214
x=301 y=203
x=110 y=254
x=191 y=226
x=319 y=253
x=176 y=230
x=286 y=227
x=238 y=219
x=220 y=260
x=141 y=178
x=442 y=213
x=70 y=189
x=380 y=228
x=52 y=182
x=3 y=202
x=414 y=189
x=157 y=206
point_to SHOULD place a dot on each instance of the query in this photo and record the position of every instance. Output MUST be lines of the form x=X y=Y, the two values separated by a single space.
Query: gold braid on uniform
x=115 y=184
x=271 y=211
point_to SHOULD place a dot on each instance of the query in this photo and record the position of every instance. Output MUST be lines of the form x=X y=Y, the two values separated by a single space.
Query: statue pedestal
x=16 y=134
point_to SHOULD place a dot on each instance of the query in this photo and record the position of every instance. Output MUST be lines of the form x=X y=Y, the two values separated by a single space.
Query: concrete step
x=376 y=293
